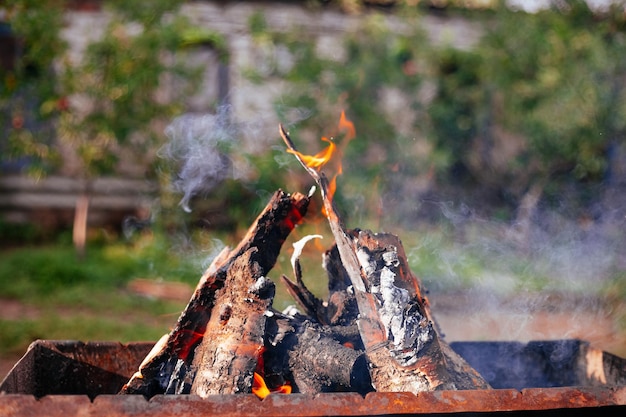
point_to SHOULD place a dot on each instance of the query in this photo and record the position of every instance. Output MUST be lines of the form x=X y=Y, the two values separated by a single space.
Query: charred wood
x=401 y=343
x=226 y=359
x=340 y=308
x=167 y=366
x=314 y=358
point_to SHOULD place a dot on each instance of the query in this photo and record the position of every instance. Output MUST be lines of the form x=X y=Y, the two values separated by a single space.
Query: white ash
x=291 y=311
x=261 y=285
x=391 y=258
x=368 y=265
x=407 y=330
x=393 y=300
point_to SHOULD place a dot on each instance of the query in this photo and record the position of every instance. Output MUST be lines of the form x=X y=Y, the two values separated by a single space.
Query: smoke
x=198 y=146
x=488 y=283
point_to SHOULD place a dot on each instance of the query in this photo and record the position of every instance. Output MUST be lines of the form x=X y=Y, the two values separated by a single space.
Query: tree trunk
x=79 y=229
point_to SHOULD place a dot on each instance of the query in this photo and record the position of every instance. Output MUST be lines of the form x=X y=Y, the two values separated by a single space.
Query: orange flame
x=347 y=126
x=319 y=160
x=260 y=389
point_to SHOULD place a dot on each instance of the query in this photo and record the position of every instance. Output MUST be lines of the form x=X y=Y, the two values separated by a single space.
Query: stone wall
x=52 y=200
x=252 y=104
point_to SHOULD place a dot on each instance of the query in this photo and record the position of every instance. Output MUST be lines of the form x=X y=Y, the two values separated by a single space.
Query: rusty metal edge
x=338 y=404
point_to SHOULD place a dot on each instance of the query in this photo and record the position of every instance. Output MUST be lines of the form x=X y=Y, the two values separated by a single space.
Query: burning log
x=401 y=343
x=340 y=308
x=167 y=368
x=375 y=331
x=227 y=357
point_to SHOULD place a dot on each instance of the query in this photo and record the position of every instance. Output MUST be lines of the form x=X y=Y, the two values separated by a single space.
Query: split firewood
x=340 y=307
x=167 y=368
x=226 y=359
x=314 y=358
x=401 y=342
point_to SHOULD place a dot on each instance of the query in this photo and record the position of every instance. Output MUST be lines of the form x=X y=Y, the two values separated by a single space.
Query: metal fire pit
x=563 y=377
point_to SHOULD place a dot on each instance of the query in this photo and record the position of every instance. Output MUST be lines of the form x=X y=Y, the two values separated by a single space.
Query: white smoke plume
x=196 y=146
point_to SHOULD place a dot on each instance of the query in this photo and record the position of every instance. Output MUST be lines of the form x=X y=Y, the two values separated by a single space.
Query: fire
x=260 y=389
x=320 y=159
x=323 y=157
x=346 y=126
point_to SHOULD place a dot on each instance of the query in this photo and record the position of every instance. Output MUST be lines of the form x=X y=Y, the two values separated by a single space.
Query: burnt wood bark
x=167 y=366
x=226 y=359
x=340 y=307
x=314 y=358
x=402 y=346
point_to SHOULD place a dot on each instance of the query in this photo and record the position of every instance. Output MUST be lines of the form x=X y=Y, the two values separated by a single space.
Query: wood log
x=166 y=368
x=403 y=348
x=421 y=360
x=340 y=307
x=314 y=358
x=226 y=359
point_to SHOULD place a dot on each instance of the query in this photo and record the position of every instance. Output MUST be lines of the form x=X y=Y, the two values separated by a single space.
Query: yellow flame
x=259 y=388
x=320 y=159
x=323 y=157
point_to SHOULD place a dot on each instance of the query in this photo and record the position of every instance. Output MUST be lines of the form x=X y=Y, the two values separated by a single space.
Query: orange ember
x=188 y=341
x=260 y=389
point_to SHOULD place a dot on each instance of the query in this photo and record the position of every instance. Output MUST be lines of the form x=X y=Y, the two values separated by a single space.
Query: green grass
x=68 y=298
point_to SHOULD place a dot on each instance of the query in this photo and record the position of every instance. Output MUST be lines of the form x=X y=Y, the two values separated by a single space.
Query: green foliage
x=15 y=233
x=549 y=80
x=61 y=298
x=120 y=75
x=35 y=273
x=378 y=63
x=37 y=25
x=107 y=101
x=454 y=111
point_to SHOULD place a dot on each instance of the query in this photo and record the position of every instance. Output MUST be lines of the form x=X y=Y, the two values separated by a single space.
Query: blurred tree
x=108 y=102
x=541 y=100
x=29 y=97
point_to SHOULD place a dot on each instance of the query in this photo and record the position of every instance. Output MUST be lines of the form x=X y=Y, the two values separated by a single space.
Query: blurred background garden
x=138 y=139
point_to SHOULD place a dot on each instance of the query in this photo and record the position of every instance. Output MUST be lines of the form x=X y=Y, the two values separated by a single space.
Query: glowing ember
x=260 y=389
